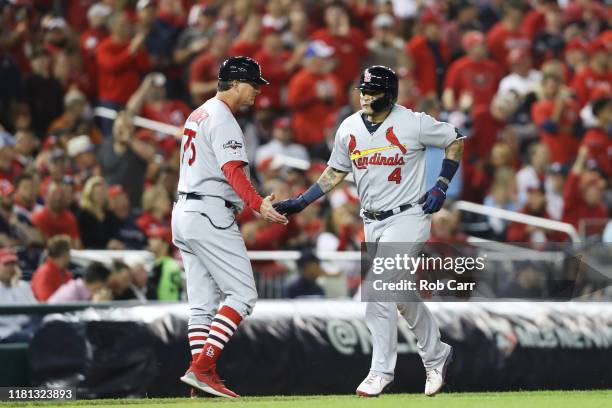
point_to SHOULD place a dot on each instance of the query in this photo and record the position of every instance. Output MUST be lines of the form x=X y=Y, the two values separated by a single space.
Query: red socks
x=223 y=327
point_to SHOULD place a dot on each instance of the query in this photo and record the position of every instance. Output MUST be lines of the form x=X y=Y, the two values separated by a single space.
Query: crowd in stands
x=529 y=83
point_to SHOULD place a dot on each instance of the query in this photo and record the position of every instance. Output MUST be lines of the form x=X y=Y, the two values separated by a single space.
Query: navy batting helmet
x=380 y=79
x=241 y=69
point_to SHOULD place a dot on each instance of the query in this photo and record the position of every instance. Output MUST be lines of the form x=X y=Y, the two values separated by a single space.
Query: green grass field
x=539 y=399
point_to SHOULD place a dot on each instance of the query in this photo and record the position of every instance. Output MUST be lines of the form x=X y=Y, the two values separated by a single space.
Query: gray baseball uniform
x=204 y=227
x=389 y=170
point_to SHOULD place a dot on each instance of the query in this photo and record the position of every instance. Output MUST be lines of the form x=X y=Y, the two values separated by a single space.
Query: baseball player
x=383 y=145
x=212 y=188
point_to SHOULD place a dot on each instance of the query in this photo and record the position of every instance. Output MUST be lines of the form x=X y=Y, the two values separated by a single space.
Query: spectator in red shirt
x=53 y=273
x=597 y=73
x=121 y=62
x=584 y=207
x=471 y=80
x=156 y=209
x=90 y=39
x=278 y=64
x=348 y=43
x=248 y=41
x=536 y=206
x=150 y=101
x=430 y=55
x=549 y=42
x=203 y=72
x=313 y=92
x=507 y=35
x=556 y=116
x=575 y=56
x=54 y=218
x=598 y=139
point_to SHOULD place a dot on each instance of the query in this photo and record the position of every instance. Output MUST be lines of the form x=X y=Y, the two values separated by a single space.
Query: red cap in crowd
x=576 y=44
x=517 y=55
x=282 y=122
x=429 y=16
x=7 y=255
x=160 y=232
x=115 y=190
x=471 y=39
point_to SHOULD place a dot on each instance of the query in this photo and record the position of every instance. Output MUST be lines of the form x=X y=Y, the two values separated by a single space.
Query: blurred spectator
x=598 y=139
x=156 y=209
x=278 y=64
x=575 y=56
x=385 y=47
x=462 y=17
x=501 y=195
x=55 y=218
x=162 y=22
x=26 y=147
x=536 y=206
x=90 y=39
x=281 y=144
x=445 y=228
x=197 y=36
x=534 y=173
x=296 y=37
x=9 y=167
x=527 y=284
x=128 y=232
x=166 y=282
x=507 y=34
x=81 y=152
x=204 y=69
x=54 y=164
x=555 y=181
x=124 y=158
x=471 y=80
x=91 y=287
x=556 y=115
x=522 y=79
x=43 y=93
x=248 y=41
x=121 y=60
x=429 y=54
x=120 y=282
x=347 y=42
x=14 y=291
x=549 y=42
x=98 y=225
x=74 y=120
x=24 y=203
x=275 y=17
x=8 y=234
x=304 y=283
x=583 y=197
x=53 y=273
x=313 y=93
x=597 y=73
x=140 y=276
x=149 y=101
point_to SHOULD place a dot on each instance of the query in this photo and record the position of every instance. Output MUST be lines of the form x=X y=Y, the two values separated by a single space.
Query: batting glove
x=291 y=205
x=434 y=198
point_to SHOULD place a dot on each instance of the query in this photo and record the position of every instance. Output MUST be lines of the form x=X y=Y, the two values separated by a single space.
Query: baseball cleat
x=373 y=385
x=207 y=381
x=436 y=376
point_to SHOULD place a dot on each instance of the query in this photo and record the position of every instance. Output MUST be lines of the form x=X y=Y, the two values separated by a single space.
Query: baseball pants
x=412 y=229
x=217 y=266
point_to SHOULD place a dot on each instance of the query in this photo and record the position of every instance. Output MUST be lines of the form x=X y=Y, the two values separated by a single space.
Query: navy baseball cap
x=241 y=69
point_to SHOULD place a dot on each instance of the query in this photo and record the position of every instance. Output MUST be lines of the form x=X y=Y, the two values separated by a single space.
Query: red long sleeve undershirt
x=241 y=184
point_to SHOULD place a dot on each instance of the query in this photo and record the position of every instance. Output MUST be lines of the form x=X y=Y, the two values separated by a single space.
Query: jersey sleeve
x=228 y=143
x=339 y=158
x=436 y=133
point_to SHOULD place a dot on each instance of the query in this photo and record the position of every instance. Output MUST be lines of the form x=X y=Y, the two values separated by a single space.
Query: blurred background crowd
x=527 y=81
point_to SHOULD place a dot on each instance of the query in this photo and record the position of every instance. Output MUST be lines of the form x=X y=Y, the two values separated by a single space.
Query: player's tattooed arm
x=453 y=152
x=331 y=178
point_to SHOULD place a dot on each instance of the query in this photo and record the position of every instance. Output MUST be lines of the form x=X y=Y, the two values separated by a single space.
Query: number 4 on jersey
x=189 y=143
x=396 y=175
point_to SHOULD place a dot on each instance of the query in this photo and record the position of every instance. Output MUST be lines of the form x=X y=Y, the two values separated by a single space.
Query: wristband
x=313 y=193
x=449 y=168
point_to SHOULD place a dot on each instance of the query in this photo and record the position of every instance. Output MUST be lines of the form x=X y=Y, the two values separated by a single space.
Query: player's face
x=366 y=98
x=248 y=91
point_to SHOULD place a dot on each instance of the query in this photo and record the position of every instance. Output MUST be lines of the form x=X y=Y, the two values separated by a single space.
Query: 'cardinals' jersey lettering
x=389 y=165
x=211 y=138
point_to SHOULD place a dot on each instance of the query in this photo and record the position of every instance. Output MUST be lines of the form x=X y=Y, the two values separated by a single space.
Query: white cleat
x=435 y=376
x=373 y=385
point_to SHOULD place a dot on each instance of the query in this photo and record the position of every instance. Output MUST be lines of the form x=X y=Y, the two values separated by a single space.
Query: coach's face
x=247 y=91
x=366 y=98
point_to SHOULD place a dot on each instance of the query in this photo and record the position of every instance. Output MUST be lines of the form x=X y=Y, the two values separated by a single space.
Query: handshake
x=291 y=205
